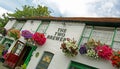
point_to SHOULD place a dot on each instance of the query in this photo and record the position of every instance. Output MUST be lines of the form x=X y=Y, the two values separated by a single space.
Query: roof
x=87 y=20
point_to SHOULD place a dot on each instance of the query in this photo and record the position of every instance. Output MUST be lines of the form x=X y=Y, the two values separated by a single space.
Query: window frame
x=18 y=23
x=77 y=65
x=7 y=39
x=40 y=26
x=44 y=63
x=15 y=48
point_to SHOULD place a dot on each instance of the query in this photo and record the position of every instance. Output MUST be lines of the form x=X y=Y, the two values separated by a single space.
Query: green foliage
x=30 y=11
x=2 y=47
x=27 y=11
x=3 y=31
x=23 y=66
x=14 y=33
x=3 y=21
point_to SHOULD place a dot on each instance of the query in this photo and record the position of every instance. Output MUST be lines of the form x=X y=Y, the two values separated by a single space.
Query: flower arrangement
x=69 y=47
x=116 y=59
x=27 y=34
x=39 y=38
x=104 y=52
x=14 y=33
x=3 y=31
x=96 y=50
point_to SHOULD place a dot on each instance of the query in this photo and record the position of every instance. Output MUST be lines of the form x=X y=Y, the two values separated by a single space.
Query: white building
x=81 y=29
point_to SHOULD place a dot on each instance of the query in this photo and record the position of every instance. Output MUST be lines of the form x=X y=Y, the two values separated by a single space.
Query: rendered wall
x=60 y=61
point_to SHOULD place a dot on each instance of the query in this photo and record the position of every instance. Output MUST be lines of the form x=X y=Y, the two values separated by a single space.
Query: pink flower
x=104 y=52
x=39 y=38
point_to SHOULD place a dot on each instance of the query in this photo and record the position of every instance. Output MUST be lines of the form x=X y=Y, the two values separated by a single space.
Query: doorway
x=23 y=56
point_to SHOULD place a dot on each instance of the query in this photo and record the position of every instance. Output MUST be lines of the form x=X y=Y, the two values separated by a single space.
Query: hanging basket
x=69 y=47
x=39 y=38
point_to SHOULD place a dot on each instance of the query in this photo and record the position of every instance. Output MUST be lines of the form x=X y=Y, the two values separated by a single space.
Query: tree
x=27 y=11
x=30 y=11
x=3 y=20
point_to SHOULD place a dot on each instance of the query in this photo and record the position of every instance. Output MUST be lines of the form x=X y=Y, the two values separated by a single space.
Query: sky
x=67 y=8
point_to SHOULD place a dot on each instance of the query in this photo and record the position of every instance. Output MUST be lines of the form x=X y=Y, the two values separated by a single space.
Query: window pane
x=117 y=36
x=87 y=31
x=18 y=25
x=45 y=60
x=7 y=43
x=43 y=27
x=116 y=45
x=84 y=40
x=104 y=34
x=18 y=48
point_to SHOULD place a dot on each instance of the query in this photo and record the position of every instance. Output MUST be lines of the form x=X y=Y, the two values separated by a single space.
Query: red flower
x=39 y=38
x=116 y=59
x=104 y=51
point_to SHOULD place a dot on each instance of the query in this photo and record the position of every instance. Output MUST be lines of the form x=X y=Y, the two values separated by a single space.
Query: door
x=23 y=56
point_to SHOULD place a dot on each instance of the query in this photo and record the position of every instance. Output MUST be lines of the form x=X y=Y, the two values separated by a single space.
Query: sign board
x=59 y=31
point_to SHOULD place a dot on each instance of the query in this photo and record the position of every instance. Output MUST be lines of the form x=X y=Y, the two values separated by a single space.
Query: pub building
x=29 y=55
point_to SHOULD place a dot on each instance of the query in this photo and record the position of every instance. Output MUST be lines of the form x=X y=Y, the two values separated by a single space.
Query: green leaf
x=30 y=11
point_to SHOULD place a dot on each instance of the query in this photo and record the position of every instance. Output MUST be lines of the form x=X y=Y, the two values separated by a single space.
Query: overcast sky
x=68 y=8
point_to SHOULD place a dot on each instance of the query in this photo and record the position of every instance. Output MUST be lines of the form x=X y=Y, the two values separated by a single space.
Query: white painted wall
x=59 y=61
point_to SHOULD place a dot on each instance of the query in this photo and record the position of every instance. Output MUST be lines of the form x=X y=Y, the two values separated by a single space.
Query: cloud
x=82 y=8
x=12 y=5
x=66 y=7
x=9 y=5
x=53 y=6
x=106 y=8
x=2 y=11
x=70 y=8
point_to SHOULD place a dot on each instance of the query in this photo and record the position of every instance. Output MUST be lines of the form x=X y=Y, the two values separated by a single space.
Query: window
x=45 y=60
x=104 y=34
x=116 y=41
x=107 y=35
x=43 y=27
x=18 y=25
x=7 y=42
x=76 y=65
x=18 y=48
x=86 y=34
